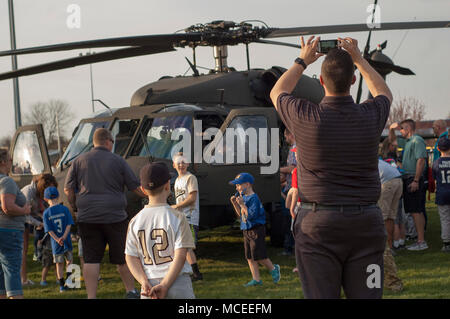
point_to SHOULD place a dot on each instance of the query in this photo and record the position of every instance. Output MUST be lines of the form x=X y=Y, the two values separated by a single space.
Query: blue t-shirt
x=436 y=153
x=56 y=219
x=256 y=212
x=387 y=171
x=441 y=173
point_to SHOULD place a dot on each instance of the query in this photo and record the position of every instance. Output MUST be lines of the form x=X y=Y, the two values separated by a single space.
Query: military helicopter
x=223 y=99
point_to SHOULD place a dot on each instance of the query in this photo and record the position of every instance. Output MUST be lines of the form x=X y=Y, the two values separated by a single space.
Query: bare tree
x=406 y=108
x=52 y=115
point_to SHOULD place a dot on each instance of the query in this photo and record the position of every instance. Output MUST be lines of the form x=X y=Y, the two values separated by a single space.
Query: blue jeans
x=11 y=245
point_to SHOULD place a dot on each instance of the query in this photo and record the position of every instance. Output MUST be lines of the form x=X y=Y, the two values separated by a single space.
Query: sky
x=45 y=22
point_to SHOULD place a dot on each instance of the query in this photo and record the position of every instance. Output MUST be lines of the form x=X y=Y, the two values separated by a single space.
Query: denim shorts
x=11 y=245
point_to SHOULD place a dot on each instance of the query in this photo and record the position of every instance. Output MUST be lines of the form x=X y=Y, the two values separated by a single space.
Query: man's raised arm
x=375 y=83
x=287 y=82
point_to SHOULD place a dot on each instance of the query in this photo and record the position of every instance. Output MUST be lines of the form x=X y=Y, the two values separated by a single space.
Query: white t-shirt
x=154 y=234
x=184 y=185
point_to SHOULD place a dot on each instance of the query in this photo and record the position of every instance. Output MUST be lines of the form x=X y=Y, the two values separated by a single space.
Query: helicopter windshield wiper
x=80 y=152
x=147 y=148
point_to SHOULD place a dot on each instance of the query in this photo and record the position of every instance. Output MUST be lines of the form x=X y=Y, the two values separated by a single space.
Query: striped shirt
x=337 y=146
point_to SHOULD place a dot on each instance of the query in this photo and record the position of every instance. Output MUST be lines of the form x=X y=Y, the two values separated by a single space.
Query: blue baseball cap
x=51 y=192
x=243 y=178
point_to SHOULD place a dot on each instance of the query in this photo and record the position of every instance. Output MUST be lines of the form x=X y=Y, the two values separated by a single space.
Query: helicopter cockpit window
x=122 y=132
x=180 y=108
x=82 y=141
x=27 y=157
x=249 y=133
x=158 y=136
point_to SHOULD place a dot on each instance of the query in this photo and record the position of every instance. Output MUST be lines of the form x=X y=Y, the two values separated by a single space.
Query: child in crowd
x=186 y=195
x=57 y=223
x=158 y=239
x=441 y=173
x=248 y=207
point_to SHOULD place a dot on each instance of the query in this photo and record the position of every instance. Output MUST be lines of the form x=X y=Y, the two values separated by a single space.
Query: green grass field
x=425 y=274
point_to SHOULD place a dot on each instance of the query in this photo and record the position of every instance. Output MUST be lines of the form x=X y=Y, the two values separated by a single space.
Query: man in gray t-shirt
x=95 y=188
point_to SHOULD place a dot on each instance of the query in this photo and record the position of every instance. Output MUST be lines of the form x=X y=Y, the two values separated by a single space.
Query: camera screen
x=327 y=45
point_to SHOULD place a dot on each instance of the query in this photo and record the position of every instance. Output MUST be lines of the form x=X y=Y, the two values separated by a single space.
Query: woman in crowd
x=14 y=210
x=34 y=194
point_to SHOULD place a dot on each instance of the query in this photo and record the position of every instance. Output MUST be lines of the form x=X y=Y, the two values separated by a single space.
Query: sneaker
x=418 y=246
x=445 y=249
x=35 y=257
x=62 y=288
x=43 y=283
x=133 y=295
x=253 y=282
x=28 y=283
x=276 y=274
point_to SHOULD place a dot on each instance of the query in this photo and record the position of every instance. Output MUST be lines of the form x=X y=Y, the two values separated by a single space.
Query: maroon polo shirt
x=337 y=147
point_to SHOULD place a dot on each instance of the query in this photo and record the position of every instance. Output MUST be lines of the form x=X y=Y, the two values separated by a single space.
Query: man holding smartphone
x=339 y=230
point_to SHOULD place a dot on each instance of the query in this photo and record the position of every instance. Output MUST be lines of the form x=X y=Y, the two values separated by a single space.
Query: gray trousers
x=335 y=250
x=444 y=213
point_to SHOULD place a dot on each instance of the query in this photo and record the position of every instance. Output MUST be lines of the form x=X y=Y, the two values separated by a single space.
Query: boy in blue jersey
x=248 y=207
x=57 y=223
x=441 y=173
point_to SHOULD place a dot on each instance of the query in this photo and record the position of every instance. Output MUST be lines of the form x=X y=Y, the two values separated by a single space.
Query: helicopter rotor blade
x=299 y=31
x=161 y=40
x=359 y=92
x=278 y=43
x=366 y=54
x=86 y=59
x=393 y=67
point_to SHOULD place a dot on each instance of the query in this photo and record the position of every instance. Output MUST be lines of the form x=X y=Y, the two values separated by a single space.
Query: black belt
x=340 y=208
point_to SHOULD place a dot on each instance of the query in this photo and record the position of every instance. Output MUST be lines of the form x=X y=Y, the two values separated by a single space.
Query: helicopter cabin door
x=248 y=142
x=29 y=154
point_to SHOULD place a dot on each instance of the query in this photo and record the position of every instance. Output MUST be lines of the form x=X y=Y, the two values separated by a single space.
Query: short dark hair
x=101 y=136
x=337 y=71
x=410 y=122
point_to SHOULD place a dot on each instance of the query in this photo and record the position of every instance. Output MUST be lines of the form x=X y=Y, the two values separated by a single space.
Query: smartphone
x=326 y=45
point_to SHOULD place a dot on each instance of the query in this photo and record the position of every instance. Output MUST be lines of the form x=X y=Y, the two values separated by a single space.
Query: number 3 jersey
x=154 y=234
x=56 y=219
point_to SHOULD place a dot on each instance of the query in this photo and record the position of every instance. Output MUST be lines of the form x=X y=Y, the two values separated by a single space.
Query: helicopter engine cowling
x=233 y=89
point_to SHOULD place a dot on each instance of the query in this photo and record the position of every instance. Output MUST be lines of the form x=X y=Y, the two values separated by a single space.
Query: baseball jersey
x=256 y=212
x=56 y=219
x=441 y=173
x=184 y=185
x=154 y=234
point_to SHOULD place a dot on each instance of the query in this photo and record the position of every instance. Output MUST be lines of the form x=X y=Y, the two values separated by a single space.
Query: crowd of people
x=345 y=214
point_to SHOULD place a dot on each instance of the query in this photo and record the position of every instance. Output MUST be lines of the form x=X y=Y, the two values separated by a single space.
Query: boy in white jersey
x=157 y=241
x=186 y=195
